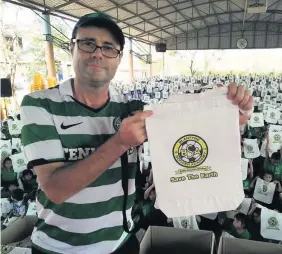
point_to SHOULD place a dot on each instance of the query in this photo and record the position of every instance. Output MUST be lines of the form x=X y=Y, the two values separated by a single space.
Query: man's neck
x=91 y=96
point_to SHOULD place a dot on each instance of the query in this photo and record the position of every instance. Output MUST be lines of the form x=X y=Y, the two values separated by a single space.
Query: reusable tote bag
x=272 y=115
x=19 y=162
x=271 y=224
x=251 y=148
x=15 y=127
x=264 y=191
x=189 y=173
x=275 y=141
x=188 y=222
x=256 y=120
x=244 y=207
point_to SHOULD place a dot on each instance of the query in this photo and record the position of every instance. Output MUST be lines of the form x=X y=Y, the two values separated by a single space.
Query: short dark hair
x=18 y=194
x=268 y=173
x=276 y=156
x=27 y=172
x=241 y=217
x=257 y=211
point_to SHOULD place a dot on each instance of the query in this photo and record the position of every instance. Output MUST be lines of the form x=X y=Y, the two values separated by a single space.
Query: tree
x=10 y=48
x=192 y=62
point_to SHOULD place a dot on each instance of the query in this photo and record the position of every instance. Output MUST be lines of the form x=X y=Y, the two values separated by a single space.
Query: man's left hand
x=242 y=97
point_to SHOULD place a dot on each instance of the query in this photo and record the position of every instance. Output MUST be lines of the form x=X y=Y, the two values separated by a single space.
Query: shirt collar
x=66 y=88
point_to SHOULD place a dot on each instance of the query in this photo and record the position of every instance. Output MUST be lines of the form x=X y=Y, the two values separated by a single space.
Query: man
x=75 y=137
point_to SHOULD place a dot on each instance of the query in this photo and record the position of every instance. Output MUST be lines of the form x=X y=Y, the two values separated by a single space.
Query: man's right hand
x=132 y=130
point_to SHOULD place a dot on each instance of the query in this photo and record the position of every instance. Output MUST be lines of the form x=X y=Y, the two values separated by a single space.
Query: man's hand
x=132 y=130
x=242 y=97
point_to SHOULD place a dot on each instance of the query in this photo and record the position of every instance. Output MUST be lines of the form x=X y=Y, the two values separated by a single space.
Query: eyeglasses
x=90 y=47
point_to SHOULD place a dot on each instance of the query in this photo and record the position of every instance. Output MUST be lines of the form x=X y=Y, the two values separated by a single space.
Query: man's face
x=12 y=187
x=95 y=68
x=8 y=164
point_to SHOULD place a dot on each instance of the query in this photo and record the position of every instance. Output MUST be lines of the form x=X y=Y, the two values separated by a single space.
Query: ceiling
x=153 y=21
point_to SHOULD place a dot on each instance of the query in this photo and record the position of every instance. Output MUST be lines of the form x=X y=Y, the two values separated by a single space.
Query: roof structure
x=181 y=24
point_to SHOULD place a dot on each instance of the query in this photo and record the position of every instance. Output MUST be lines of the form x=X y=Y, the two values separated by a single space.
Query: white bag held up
x=6 y=144
x=188 y=159
x=244 y=168
x=15 y=127
x=257 y=120
x=271 y=224
x=272 y=115
x=19 y=162
x=244 y=206
x=251 y=148
x=188 y=222
x=264 y=191
x=275 y=128
x=5 y=152
x=275 y=140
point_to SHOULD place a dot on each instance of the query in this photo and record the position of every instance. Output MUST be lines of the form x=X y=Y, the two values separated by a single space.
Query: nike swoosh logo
x=64 y=127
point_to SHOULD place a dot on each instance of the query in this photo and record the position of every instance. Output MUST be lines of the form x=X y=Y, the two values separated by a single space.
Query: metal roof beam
x=175 y=5
x=202 y=17
x=183 y=22
x=136 y=15
x=162 y=16
x=180 y=12
x=63 y=5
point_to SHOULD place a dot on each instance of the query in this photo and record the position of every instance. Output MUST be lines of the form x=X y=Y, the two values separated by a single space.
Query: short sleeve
x=40 y=138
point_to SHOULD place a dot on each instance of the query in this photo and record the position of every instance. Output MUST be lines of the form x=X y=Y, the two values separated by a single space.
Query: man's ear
x=71 y=45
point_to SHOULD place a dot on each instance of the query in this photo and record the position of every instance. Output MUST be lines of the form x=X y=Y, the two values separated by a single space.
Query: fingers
x=246 y=97
x=141 y=116
x=239 y=96
x=249 y=105
x=232 y=90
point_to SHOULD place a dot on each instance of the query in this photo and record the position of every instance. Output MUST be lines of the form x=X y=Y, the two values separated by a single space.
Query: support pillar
x=150 y=64
x=131 y=74
x=163 y=67
x=49 y=51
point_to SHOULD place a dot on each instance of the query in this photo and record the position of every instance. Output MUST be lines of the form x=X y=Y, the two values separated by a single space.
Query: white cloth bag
x=188 y=222
x=192 y=151
x=244 y=206
x=272 y=115
x=271 y=224
x=251 y=148
x=275 y=140
x=6 y=144
x=16 y=143
x=244 y=168
x=264 y=191
x=19 y=162
x=275 y=128
x=5 y=152
x=256 y=120
x=15 y=127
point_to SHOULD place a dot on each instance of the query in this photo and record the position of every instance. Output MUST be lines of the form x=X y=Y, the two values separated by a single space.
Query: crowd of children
x=18 y=187
x=261 y=171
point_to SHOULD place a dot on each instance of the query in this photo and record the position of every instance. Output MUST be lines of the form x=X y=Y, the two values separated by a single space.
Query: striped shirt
x=57 y=128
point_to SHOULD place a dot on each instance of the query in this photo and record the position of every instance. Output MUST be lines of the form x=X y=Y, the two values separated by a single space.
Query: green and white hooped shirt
x=58 y=128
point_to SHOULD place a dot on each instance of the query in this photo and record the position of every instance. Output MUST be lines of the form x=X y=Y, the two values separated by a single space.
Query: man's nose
x=97 y=53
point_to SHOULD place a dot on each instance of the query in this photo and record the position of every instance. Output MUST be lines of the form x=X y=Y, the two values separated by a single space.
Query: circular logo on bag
x=4 y=154
x=272 y=221
x=256 y=118
x=249 y=148
x=272 y=115
x=277 y=137
x=20 y=162
x=117 y=123
x=14 y=126
x=190 y=151
x=184 y=223
x=264 y=188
